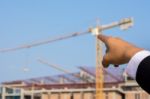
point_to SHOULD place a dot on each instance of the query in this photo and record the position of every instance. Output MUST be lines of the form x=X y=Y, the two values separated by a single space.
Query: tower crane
x=123 y=24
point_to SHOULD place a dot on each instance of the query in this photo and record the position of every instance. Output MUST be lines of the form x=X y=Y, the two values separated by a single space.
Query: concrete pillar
x=49 y=95
x=93 y=95
x=71 y=96
x=77 y=95
x=3 y=92
x=114 y=95
x=59 y=95
x=32 y=95
x=87 y=95
x=82 y=95
x=22 y=94
x=32 y=92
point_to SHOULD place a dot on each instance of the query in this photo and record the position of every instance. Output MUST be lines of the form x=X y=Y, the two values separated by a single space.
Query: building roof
x=111 y=75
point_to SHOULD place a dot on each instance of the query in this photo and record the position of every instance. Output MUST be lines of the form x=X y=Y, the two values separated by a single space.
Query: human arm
x=121 y=52
x=118 y=51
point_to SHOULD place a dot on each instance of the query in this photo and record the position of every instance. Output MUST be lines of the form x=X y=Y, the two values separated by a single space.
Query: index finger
x=103 y=38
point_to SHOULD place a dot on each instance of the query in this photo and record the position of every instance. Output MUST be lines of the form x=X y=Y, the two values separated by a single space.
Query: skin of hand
x=118 y=51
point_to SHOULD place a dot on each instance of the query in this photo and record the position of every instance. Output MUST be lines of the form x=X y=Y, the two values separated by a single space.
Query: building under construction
x=79 y=85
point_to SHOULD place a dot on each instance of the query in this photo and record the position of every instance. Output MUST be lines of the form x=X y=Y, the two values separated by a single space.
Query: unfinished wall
x=54 y=96
x=137 y=95
x=81 y=95
x=65 y=96
x=44 y=96
x=88 y=95
x=77 y=96
x=112 y=95
x=145 y=95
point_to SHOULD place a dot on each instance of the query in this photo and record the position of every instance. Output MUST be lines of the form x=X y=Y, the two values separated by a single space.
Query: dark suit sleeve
x=143 y=74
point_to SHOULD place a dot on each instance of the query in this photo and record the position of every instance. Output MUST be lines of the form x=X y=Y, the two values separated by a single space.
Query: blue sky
x=25 y=21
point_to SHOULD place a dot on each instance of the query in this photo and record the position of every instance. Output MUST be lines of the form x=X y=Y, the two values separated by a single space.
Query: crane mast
x=99 y=70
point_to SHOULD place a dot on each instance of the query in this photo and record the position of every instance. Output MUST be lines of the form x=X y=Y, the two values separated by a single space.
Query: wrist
x=131 y=52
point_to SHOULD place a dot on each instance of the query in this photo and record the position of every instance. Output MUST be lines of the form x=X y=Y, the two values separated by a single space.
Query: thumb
x=106 y=60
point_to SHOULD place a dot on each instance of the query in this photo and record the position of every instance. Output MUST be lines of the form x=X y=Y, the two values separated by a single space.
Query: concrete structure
x=66 y=86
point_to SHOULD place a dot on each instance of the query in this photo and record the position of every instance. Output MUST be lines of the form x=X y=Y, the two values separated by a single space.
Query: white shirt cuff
x=134 y=62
